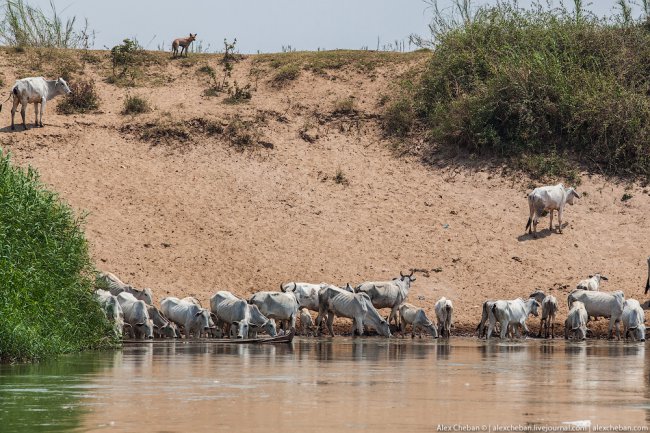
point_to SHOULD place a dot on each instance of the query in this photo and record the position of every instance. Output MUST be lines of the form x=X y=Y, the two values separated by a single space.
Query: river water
x=340 y=384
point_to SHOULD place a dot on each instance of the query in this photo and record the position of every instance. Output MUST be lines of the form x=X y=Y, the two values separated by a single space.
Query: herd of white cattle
x=133 y=314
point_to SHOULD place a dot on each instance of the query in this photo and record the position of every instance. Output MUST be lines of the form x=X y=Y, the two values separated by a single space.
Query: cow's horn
x=401 y=274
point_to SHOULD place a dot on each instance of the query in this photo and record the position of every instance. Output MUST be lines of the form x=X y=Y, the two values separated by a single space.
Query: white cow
x=112 y=310
x=601 y=304
x=372 y=319
x=548 y=198
x=163 y=328
x=35 y=90
x=106 y=280
x=230 y=310
x=444 y=310
x=416 y=317
x=193 y=318
x=306 y=293
x=591 y=283
x=633 y=320
x=549 y=311
x=575 y=324
x=306 y=322
x=337 y=302
x=136 y=315
x=513 y=313
x=388 y=294
x=278 y=306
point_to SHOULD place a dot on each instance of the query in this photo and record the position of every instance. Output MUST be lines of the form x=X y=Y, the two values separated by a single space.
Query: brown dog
x=183 y=43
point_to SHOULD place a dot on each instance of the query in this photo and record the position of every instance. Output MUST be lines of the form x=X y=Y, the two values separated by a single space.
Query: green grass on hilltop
x=46 y=276
x=321 y=61
x=537 y=84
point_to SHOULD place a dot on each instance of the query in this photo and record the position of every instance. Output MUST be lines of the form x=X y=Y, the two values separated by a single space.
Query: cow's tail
x=647 y=285
x=13 y=93
x=531 y=211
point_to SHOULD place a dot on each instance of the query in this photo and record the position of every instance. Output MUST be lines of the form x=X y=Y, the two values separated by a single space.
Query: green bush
x=46 y=301
x=511 y=81
x=84 y=98
x=135 y=105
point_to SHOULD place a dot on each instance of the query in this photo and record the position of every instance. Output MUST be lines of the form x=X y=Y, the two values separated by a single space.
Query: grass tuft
x=83 y=99
x=344 y=106
x=340 y=178
x=135 y=105
x=285 y=74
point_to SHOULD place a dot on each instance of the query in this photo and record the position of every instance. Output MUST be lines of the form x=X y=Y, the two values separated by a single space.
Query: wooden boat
x=286 y=338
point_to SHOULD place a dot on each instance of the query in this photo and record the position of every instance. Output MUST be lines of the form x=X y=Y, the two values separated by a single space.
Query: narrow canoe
x=287 y=338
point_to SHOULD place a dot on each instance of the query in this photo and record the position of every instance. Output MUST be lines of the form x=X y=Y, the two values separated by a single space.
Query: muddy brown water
x=340 y=384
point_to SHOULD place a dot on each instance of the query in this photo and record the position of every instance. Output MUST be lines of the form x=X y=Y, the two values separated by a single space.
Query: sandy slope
x=194 y=218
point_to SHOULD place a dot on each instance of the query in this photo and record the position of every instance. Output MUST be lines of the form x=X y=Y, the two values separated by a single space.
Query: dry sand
x=196 y=217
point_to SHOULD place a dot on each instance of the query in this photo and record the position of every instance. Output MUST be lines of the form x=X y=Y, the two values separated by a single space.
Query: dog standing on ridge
x=184 y=43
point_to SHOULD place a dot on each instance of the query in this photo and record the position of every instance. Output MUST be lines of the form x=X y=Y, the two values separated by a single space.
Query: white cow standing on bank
x=444 y=310
x=136 y=314
x=513 y=313
x=633 y=320
x=193 y=318
x=592 y=283
x=35 y=90
x=416 y=317
x=548 y=198
x=388 y=294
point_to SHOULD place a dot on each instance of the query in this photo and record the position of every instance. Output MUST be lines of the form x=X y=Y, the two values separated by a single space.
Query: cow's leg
x=552 y=328
x=330 y=320
x=535 y=221
x=526 y=330
x=490 y=328
x=358 y=322
x=23 y=106
x=292 y=322
x=43 y=103
x=610 y=328
x=322 y=314
x=551 y=221
x=559 y=219
x=394 y=315
x=35 y=114
x=504 y=330
x=541 y=328
x=14 y=108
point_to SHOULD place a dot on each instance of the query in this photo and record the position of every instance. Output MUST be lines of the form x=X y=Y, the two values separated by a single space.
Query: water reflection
x=47 y=396
x=329 y=384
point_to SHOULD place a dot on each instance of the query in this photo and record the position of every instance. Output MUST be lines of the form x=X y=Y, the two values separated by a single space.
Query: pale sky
x=261 y=25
